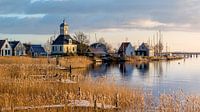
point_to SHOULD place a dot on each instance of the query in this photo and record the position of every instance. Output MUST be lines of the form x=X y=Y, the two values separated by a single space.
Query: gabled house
x=18 y=49
x=145 y=50
x=126 y=49
x=37 y=50
x=97 y=49
x=64 y=44
x=5 y=48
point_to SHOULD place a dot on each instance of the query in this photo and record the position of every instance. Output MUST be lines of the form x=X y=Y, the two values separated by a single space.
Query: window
x=8 y=52
x=6 y=46
x=61 y=49
x=52 y=48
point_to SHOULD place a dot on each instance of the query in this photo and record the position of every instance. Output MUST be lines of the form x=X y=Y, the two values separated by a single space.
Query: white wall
x=8 y=49
x=130 y=50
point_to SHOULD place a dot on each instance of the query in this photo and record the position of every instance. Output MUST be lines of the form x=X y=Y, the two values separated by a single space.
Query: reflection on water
x=160 y=77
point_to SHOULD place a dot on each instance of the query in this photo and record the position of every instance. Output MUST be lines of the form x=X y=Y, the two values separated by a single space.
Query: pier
x=183 y=54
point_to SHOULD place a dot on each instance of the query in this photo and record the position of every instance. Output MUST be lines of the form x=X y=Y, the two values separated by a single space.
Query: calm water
x=160 y=77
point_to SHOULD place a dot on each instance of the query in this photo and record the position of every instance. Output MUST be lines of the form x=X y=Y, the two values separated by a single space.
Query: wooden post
x=79 y=93
x=117 y=100
x=70 y=69
x=12 y=108
x=57 y=60
x=95 y=102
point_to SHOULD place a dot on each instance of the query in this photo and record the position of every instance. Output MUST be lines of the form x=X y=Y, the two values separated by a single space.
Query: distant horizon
x=135 y=39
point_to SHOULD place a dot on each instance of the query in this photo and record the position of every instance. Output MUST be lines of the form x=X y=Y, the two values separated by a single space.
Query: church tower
x=64 y=28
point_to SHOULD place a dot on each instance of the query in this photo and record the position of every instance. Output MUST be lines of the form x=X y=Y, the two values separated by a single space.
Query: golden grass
x=32 y=82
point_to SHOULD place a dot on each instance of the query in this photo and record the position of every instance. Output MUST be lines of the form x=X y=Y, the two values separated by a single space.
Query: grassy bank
x=29 y=83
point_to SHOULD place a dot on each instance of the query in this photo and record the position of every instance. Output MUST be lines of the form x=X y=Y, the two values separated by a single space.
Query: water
x=160 y=77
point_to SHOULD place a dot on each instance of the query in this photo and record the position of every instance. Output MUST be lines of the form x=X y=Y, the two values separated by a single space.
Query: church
x=64 y=44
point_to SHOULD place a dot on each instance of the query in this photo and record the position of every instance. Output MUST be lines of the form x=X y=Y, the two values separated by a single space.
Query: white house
x=126 y=49
x=18 y=49
x=63 y=44
x=145 y=50
x=5 y=48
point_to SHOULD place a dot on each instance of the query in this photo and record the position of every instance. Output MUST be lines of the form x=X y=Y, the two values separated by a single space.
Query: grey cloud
x=98 y=14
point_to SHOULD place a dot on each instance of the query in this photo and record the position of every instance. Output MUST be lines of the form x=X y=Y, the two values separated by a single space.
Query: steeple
x=64 y=28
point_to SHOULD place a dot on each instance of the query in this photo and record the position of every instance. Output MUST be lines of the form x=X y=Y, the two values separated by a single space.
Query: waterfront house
x=5 y=48
x=18 y=49
x=126 y=49
x=145 y=50
x=64 y=44
x=97 y=49
x=37 y=50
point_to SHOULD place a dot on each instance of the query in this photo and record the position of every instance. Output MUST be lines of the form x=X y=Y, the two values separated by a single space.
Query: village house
x=37 y=50
x=145 y=50
x=18 y=49
x=64 y=44
x=5 y=48
x=97 y=49
x=126 y=49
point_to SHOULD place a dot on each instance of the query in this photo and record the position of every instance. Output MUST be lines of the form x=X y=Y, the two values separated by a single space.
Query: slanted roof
x=13 y=44
x=97 y=51
x=98 y=45
x=2 y=43
x=63 y=39
x=98 y=48
x=123 y=46
x=146 y=45
x=38 y=49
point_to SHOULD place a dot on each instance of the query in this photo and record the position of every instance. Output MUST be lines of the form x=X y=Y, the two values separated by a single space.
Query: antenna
x=95 y=37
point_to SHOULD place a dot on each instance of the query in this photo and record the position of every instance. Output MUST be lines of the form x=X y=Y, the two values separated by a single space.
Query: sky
x=115 y=20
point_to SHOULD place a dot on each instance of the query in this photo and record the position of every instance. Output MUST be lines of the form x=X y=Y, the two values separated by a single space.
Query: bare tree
x=108 y=46
x=82 y=40
x=81 y=37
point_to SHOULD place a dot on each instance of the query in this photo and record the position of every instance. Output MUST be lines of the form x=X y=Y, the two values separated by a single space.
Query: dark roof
x=123 y=46
x=13 y=44
x=98 y=45
x=2 y=43
x=27 y=46
x=63 y=39
x=146 y=45
x=98 y=48
x=37 y=49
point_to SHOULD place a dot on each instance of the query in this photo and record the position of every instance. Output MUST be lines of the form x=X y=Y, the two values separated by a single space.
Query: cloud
x=90 y=15
x=146 y=23
x=22 y=16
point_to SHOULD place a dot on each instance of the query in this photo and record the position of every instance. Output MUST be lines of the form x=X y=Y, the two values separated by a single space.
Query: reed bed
x=35 y=85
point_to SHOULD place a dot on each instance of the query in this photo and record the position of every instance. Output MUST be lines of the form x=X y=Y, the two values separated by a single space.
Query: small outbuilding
x=37 y=50
x=145 y=50
x=126 y=49
x=97 y=49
